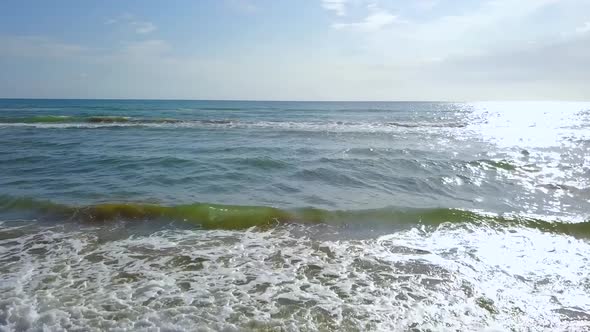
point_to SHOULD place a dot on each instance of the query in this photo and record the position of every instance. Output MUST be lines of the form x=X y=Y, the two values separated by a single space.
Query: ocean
x=294 y=216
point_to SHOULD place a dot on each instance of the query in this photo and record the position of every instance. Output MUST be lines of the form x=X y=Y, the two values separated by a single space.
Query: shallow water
x=294 y=216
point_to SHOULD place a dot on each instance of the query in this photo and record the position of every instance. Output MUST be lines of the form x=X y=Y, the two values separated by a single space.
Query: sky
x=457 y=50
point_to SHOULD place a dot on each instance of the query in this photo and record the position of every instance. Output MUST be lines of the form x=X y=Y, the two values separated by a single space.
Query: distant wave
x=218 y=216
x=428 y=124
x=80 y=119
x=58 y=121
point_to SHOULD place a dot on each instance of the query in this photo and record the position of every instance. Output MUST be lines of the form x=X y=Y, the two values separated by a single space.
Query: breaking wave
x=59 y=121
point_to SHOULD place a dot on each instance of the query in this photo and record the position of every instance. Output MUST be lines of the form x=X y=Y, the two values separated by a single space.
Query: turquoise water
x=294 y=215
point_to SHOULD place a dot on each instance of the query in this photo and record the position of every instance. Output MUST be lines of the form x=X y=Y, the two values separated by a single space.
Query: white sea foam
x=293 y=278
x=370 y=127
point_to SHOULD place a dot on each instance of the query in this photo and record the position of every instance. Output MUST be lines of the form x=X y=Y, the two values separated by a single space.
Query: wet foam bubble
x=292 y=277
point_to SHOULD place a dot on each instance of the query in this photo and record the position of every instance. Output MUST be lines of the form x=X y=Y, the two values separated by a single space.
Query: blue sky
x=296 y=50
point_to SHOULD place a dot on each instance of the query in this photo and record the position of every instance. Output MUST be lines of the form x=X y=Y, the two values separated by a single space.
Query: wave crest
x=219 y=216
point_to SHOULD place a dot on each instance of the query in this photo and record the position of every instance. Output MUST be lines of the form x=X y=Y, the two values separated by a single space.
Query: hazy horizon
x=317 y=50
x=497 y=101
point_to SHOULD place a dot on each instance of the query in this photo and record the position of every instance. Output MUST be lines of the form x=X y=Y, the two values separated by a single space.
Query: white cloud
x=120 y=19
x=146 y=48
x=585 y=28
x=489 y=26
x=377 y=20
x=336 y=6
x=144 y=27
x=140 y=27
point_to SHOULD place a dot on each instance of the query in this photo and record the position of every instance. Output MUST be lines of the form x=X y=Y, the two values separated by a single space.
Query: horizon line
x=301 y=100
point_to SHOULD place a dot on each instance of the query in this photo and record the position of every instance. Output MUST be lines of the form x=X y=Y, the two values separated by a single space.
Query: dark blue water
x=371 y=215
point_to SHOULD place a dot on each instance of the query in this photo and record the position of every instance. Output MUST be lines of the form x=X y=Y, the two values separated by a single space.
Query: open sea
x=145 y=215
